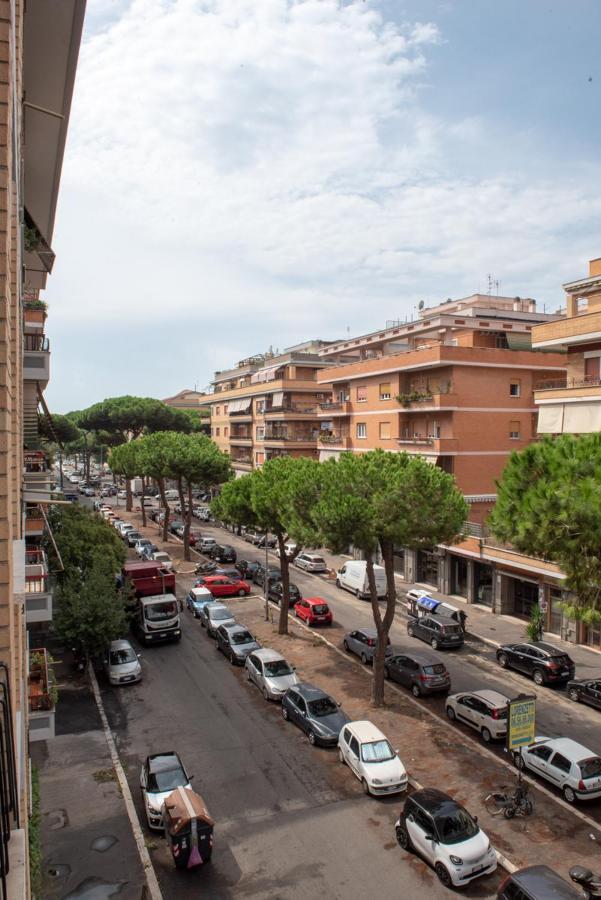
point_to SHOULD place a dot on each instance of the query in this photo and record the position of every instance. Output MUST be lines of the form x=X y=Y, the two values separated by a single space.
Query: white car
x=164 y=559
x=311 y=562
x=290 y=549
x=159 y=776
x=123 y=527
x=446 y=836
x=485 y=711
x=368 y=754
x=205 y=543
x=122 y=663
x=270 y=672
x=121 y=495
x=574 y=769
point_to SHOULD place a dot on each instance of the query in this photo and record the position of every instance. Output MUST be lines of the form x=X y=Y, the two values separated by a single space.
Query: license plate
x=163 y=634
x=128 y=678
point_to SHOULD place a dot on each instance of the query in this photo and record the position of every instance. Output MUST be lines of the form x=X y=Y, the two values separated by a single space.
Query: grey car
x=364 y=642
x=212 y=615
x=438 y=631
x=122 y=663
x=315 y=713
x=271 y=673
x=236 y=642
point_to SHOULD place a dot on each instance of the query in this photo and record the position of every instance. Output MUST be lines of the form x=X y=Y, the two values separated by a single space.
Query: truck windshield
x=159 y=611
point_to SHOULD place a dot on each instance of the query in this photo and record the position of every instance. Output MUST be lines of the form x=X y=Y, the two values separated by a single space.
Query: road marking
x=478 y=748
x=151 y=878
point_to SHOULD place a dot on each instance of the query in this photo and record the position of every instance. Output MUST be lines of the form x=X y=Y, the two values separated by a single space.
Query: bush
x=35 y=843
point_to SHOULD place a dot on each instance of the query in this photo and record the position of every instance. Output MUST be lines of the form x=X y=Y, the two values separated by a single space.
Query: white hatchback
x=368 y=754
x=574 y=769
x=486 y=711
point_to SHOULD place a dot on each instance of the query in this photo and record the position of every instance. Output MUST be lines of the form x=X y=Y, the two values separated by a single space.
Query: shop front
x=460 y=576
x=398 y=558
x=428 y=562
x=483 y=584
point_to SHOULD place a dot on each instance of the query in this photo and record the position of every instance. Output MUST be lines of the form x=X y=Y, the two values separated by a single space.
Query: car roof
x=267 y=655
x=313 y=555
x=422 y=657
x=201 y=592
x=366 y=731
x=434 y=801
x=572 y=749
x=236 y=626
x=368 y=632
x=216 y=606
x=314 y=600
x=551 y=649
x=120 y=644
x=542 y=878
x=162 y=762
x=495 y=698
x=309 y=691
x=443 y=620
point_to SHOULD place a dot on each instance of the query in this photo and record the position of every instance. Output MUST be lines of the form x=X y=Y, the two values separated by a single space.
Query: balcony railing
x=36 y=342
x=565 y=383
x=42 y=695
x=292 y=438
x=291 y=408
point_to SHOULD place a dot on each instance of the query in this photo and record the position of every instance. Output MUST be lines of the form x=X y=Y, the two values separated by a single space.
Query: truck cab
x=157 y=619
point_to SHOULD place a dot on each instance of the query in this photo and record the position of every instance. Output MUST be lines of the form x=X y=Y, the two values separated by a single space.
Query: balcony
x=244 y=465
x=42 y=693
x=241 y=440
x=290 y=411
x=579 y=329
x=34 y=522
x=429 y=444
x=568 y=388
x=38 y=596
x=421 y=397
x=289 y=440
x=36 y=358
x=34 y=315
x=340 y=408
x=335 y=441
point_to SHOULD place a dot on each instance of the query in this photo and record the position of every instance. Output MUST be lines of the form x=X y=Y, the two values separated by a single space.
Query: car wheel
x=434 y=644
x=569 y=794
x=450 y=714
x=265 y=693
x=345 y=645
x=443 y=875
x=337 y=582
x=232 y=659
x=410 y=630
x=284 y=714
x=341 y=757
x=242 y=593
x=574 y=695
x=248 y=678
x=502 y=660
x=312 y=739
x=486 y=735
x=364 y=659
x=296 y=613
x=402 y=837
x=538 y=677
x=365 y=787
x=415 y=690
x=386 y=673
x=518 y=760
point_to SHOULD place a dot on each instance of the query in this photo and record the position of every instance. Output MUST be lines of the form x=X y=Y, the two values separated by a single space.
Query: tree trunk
x=128 y=497
x=161 y=484
x=285 y=567
x=143 y=507
x=188 y=519
x=383 y=625
x=182 y=502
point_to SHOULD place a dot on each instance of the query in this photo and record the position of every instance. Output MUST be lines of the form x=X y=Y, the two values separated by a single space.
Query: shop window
x=514 y=389
x=362 y=430
x=361 y=394
x=384 y=431
x=385 y=391
x=514 y=431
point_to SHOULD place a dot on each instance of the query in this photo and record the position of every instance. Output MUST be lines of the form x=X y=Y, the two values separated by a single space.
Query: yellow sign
x=521 y=722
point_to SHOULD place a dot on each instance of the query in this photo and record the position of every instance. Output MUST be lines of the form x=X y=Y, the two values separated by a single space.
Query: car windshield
x=119 y=657
x=278 y=668
x=166 y=781
x=316 y=559
x=457 y=827
x=376 y=751
x=590 y=768
x=219 y=614
x=434 y=670
x=242 y=637
x=162 y=557
x=325 y=706
x=159 y=611
x=320 y=609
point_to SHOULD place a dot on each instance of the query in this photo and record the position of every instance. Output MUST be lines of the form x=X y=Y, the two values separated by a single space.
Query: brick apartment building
x=39 y=45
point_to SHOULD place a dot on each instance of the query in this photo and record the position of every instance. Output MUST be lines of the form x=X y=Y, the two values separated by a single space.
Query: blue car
x=197 y=599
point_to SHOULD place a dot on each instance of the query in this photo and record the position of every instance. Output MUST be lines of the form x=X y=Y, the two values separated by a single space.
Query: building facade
x=39 y=45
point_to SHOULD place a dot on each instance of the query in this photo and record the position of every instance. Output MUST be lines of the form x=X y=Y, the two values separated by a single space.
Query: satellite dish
x=421 y=304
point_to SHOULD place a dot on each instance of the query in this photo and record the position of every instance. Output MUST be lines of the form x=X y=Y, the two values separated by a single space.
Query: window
x=260 y=432
x=433 y=430
x=514 y=431
x=225 y=409
x=592 y=370
x=361 y=430
x=561 y=763
x=354 y=746
x=385 y=391
x=514 y=388
x=542 y=753
x=218 y=411
x=225 y=430
x=217 y=431
x=361 y=394
x=260 y=406
x=384 y=430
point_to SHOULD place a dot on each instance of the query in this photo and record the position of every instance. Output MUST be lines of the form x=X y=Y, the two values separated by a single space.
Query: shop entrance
x=483 y=583
x=398 y=560
x=459 y=576
x=427 y=567
x=525 y=596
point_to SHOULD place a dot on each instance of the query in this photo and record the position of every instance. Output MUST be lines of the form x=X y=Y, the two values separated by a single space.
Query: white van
x=171 y=495
x=353 y=577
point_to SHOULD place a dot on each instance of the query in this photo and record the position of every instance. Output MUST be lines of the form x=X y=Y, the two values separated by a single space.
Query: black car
x=315 y=713
x=276 y=592
x=132 y=537
x=545 y=663
x=236 y=642
x=438 y=631
x=588 y=691
x=421 y=672
x=222 y=553
x=274 y=574
x=536 y=883
x=247 y=567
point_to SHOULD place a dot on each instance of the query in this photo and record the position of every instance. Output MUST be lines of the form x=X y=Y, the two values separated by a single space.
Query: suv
x=364 y=642
x=223 y=553
x=438 y=631
x=536 y=883
x=486 y=711
x=574 y=769
x=420 y=671
x=446 y=836
x=546 y=663
x=311 y=562
x=315 y=713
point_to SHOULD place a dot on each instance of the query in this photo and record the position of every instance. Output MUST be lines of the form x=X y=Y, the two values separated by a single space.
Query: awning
x=581 y=418
x=519 y=341
x=277 y=399
x=550 y=419
x=239 y=405
x=428 y=603
x=266 y=374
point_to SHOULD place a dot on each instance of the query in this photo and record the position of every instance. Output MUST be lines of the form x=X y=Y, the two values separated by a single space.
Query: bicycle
x=520 y=803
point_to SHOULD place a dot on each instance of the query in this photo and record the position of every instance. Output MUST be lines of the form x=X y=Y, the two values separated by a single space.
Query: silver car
x=205 y=543
x=212 y=615
x=311 y=562
x=122 y=663
x=271 y=673
x=364 y=642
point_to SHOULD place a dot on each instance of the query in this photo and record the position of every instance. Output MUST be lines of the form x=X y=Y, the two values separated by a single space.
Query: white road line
x=151 y=878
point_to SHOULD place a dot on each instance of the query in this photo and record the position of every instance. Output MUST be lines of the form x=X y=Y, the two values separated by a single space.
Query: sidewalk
x=87 y=844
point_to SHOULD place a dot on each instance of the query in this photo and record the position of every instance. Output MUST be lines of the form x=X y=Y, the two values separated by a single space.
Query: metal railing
x=567 y=383
x=290 y=407
x=9 y=795
x=36 y=342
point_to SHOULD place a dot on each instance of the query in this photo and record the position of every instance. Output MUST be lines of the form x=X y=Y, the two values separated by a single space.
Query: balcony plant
x=406 y=399
x=35 y=304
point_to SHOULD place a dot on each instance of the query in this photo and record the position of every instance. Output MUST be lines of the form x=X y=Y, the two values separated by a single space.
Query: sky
x=243 y=175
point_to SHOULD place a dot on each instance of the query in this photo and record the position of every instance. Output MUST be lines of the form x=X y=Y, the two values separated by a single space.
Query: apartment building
x=39 y=45
x=267 y=406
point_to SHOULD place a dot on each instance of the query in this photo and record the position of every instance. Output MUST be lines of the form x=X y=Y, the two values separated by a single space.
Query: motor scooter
x=589 y=881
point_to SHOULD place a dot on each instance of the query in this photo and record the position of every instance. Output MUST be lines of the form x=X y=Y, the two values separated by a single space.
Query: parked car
x=247 y=568
x=144 y=544
x=545 y=663
x=574 y=769
x=122 y=663
x=446 y=836
x=275 y=592
x=315 y=713
x=485 y=711
x=363 y=642
x=223 y=553
x=585 y=691
x=439 y=632
x=196 y=598
x=175 y=525
x=369 y=756
x=229 y=572
x=171 y=494
x=313 y=611
x=160 y=775
x=273 y=574
x=121 y=495
x=220 y=586
x=251 y=536
x=89 y=491
x=352 y=576
x=270 y=672
x=202 y=513
x=537 y=883
x=311 y=562
x=192 y=537
x=132 y=537
x=290 y=549
x=212 y=615
x=122 y=527
x=164 y=559
x=271 y=542
x=147 y=501
x=419 y=671
x=205 y=544
x=108 y=490
x=236 y=642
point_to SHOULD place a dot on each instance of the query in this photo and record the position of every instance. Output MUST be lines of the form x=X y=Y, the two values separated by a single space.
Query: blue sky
x=243 y=174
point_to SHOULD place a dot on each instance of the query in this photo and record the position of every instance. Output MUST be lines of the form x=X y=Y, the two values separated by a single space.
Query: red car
x=220 y=586
x=313 y=611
